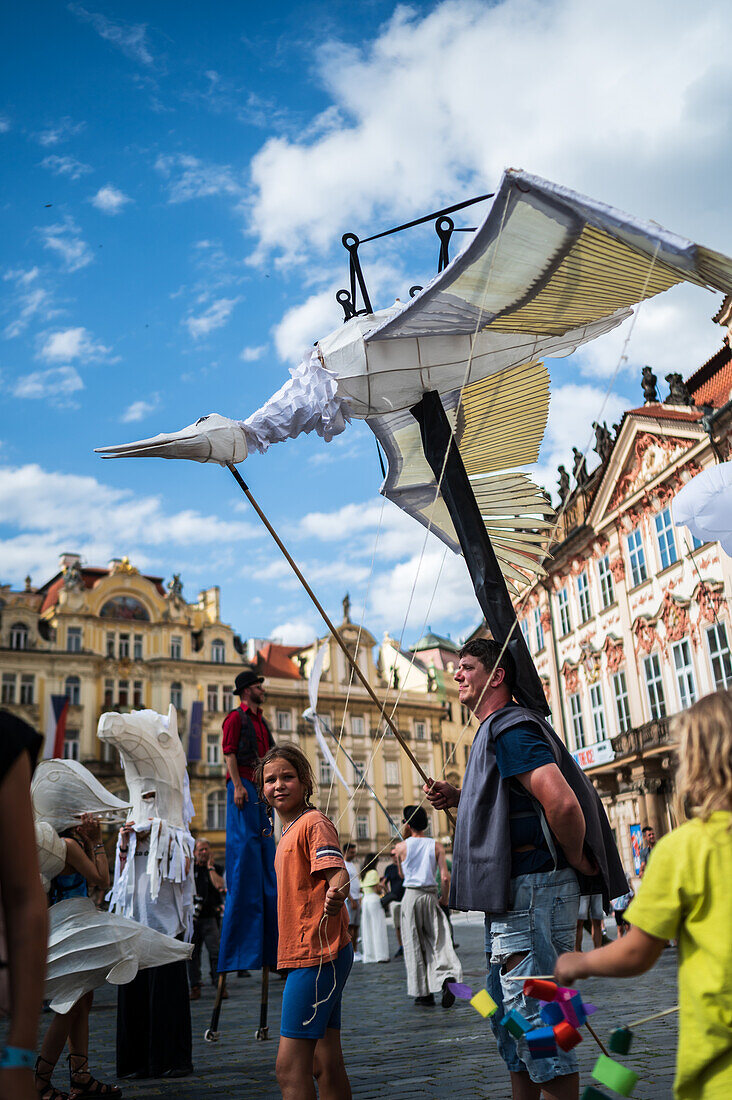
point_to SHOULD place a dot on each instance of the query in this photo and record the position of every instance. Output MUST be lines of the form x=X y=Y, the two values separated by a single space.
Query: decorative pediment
x=571 y=677
x=709 y=595
x=614 y=651
x=590 y=661
x=649 y=457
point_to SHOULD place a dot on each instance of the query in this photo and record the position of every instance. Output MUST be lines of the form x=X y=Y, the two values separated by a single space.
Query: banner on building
x=58 y=709
x=194 y=731
x=601 y=753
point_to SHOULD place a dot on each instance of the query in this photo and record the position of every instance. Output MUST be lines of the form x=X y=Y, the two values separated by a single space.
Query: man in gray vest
x=531 y=836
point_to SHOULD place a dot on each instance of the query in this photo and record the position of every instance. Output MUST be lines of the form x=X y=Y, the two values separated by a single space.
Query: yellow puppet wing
x=499 y=424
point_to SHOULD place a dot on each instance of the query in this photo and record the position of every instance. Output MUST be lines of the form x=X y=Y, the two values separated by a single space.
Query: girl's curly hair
x=704 y=736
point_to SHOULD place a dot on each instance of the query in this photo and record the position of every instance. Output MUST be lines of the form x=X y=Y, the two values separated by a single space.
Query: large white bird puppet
x=547 y=271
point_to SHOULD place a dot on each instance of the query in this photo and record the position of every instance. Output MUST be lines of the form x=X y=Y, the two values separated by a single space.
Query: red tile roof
x=276 y=660
x=657 y=411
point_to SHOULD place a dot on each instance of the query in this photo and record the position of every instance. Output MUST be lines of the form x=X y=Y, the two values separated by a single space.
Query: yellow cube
x=483 y=1003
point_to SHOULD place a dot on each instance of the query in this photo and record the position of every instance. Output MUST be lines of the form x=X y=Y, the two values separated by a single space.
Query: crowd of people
x=532 y=850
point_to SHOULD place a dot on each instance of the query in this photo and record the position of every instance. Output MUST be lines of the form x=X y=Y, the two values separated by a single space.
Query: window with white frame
x=684 y=669
x=420 y=731
x=176 y=647
x=176 y=695
x=72 y=691
x=109 y=645
x=123 y=692
x=363 y=827
x=597 y=709
x=283 y=720
x=18 y=636
x=218 y=651
x=392 y=776
x=359 y=771
x=137 y=692
x=325 y=772
x=228 y=699
x=213 y=747
x=654 y=686
x=525 y=631
x=212 y=697
x=108 y=693
x=565 y=623
x=622 y=703
x=583 y=596
x=137 y=647
x=666 y=538
x=73 y=639
x=578 y=726
x=538 y=630
x=216 y=810
x=27 y=688
x=124 y=646
x=719 y=655
x=72 y=744
x=358 y=726
x=636 y=557
x=605 y=577
x=7 y=690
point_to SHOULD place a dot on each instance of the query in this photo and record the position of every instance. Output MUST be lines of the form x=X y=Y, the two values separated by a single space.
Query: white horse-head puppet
x=63 y=790
x=154 y=764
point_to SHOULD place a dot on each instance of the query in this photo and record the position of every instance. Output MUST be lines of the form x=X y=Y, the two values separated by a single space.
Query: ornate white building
x=632 y=623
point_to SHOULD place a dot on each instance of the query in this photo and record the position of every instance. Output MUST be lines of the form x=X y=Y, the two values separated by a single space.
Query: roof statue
x=564 y=488
x=547 y=271
x=603 y=440
x=649 y=383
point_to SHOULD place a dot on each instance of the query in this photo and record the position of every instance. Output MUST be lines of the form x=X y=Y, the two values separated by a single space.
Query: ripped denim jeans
x=541 y=923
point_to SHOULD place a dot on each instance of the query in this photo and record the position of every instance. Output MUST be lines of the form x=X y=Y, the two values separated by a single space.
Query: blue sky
x=176 y=181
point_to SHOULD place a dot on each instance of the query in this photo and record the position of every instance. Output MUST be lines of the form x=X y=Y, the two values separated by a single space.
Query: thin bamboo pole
x=357 y=671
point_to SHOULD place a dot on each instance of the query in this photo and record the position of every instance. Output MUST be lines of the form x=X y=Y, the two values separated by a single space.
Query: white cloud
x=60 y=131
x=432 y=108
x=214 y=317
x=305 y=323
x=109 y=199
x=138 y=410
x=66 y=241
x=251 y=355
x=130 y=38
x=29 y=300
x=71 y=343
x=54 y=383
x=295 y=632
x=572 y=410
x=65 y=166
x=191 y=178
x=52 y=511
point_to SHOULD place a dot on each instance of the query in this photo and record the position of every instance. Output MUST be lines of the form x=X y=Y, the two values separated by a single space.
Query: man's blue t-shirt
x=520 y=750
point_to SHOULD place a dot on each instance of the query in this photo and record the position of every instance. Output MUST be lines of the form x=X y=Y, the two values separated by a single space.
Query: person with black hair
x=531 y=836
x=429 y=955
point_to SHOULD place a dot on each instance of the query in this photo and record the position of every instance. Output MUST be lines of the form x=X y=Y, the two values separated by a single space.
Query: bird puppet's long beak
x=212 y=438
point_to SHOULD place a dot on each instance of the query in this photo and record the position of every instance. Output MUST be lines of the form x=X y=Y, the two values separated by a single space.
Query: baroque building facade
x=631 y=624
x=116 y=639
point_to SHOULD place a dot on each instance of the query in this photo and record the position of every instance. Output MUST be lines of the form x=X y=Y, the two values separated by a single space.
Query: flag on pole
x=58 y=709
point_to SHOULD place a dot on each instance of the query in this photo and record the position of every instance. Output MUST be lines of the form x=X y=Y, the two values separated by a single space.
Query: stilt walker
x=249 y=926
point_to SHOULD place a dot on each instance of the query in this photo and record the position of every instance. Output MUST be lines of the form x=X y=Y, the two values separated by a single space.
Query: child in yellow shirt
x=686 y=894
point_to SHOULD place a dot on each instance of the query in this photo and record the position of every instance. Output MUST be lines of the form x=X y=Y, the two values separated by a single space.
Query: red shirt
x=230 y=740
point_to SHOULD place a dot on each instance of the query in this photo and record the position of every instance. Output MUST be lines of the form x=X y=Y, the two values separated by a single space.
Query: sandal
x=47 y=1091
x=89 y=1086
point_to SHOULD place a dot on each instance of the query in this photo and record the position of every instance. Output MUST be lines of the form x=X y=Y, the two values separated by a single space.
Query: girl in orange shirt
x=314 y=944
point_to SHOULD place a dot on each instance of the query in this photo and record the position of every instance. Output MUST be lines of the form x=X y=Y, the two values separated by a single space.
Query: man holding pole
x=249 y=927
x=530 y=831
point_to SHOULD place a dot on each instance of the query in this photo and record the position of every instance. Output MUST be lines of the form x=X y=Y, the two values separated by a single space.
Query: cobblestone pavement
x=391 y=1048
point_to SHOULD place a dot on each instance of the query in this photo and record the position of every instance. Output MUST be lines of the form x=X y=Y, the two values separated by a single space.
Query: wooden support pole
x=357 y=671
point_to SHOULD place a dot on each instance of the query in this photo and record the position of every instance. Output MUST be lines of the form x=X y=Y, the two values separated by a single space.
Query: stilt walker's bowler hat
x=245 y=680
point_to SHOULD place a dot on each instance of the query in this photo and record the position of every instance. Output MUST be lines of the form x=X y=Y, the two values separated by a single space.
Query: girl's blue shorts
x=304 y=986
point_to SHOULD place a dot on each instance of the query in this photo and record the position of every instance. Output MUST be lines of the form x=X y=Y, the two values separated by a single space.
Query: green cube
x=591 y=1093
x=611 y=1073
x=620 y=1040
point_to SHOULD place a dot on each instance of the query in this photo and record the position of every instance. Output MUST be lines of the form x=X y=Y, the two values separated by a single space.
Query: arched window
x=18 y=636
x=72 y=690
x=125 y=607
x=218 y=651
x=216 y=810
x=176 y=695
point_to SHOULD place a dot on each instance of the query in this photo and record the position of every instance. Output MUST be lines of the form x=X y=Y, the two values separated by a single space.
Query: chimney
x=65 y=560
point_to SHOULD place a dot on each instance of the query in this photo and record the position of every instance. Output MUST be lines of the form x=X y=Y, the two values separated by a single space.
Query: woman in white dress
x=373 y=921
